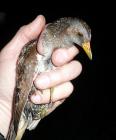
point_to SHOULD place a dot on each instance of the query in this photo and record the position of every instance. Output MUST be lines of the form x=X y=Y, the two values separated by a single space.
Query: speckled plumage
x=61 y=33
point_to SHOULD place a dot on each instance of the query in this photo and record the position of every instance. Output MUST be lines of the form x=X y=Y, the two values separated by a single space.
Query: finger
x=60 y=92
x=24 y=35
x=58 y=76
x=64 y=55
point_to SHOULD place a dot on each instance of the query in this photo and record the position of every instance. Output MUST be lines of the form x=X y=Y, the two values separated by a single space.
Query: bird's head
x=80 y=34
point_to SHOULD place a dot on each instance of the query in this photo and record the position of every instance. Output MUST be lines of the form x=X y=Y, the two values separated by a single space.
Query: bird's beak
x=86 y=47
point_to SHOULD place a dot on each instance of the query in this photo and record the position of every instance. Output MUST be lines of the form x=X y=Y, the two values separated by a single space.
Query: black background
x=89 y=112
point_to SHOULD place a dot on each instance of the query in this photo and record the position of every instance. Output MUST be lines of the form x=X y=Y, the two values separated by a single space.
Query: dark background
x=89 y=112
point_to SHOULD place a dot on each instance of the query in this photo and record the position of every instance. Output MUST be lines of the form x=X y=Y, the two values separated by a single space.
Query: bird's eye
x=80 y=34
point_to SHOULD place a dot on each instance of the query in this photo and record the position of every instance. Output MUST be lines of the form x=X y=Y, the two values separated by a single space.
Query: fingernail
x=73 y=50
x=39 y=17
x=42 y=82
x=65 y=55
x=36 y=99
x=61 y=56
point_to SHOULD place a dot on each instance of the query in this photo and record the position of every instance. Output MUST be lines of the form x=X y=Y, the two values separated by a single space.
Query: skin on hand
x=64 y=71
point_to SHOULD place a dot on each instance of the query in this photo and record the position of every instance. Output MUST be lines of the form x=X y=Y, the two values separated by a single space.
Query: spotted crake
x=62 y=33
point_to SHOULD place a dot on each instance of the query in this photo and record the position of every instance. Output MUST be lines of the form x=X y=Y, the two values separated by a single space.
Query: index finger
x=64 y=55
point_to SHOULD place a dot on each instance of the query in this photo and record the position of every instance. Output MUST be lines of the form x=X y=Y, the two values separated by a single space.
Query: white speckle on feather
x=40 y=67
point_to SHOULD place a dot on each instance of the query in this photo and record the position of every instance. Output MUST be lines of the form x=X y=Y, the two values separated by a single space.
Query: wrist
x=5 y=117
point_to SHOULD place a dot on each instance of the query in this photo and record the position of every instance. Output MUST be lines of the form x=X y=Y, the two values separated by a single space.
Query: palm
x=7 y=83
x=7 y=76
x=8 y=58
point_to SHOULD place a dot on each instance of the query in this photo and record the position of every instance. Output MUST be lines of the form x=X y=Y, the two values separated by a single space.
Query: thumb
x=25 y=34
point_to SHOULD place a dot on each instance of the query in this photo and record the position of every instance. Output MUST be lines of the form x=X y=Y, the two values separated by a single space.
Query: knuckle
x=22 y=29
x=24 y=32
x=77 y=67
x=78 y=64
x=69 y=89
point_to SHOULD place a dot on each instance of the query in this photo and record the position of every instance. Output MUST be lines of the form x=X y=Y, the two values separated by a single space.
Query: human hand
x=65 y=70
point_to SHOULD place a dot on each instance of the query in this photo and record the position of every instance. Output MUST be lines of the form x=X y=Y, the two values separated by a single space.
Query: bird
x=62 y=33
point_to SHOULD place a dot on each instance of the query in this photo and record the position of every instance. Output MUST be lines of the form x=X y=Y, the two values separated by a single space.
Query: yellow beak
x=86 y=47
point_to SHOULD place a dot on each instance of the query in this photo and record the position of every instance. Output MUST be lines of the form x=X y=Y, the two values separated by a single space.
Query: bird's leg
x=51 y=97
x=43 y=111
